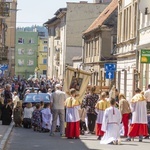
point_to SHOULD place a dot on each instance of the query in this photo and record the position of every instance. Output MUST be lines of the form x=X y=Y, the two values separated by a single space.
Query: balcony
x=4 y=9
x=3 y=53
x=57 y=57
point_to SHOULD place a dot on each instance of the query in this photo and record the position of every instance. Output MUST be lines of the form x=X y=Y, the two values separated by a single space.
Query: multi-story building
x=56 y=44
x=7 y=34
x=65 y=34
x=144 y=43
x=42 y=54
x=26 y=53
x=127 y=41
x=99 y=41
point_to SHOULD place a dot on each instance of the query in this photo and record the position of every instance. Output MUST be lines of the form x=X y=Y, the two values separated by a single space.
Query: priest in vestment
x=100 y=108
x=138 y=125
x=111 y=125
x=72 y=116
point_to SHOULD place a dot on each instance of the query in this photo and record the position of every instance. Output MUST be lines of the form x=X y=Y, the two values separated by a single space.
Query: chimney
x=97 y=1
x=102 y=1
x=84 y=2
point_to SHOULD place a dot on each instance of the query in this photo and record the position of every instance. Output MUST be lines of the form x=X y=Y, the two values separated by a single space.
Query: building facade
x=99 y=41
x=144 y=43
x=69 y=23
x=7 y=34
x=42 y=54
x=56 y=44
x=26 y=53
x=126 y=52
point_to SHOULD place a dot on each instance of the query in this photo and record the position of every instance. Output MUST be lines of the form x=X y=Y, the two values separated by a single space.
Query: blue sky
x=37 y=12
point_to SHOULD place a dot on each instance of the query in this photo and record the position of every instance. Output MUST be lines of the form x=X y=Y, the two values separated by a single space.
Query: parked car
x=35 y=98
x=32 y=90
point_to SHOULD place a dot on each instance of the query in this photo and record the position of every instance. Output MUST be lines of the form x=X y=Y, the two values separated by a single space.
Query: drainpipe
x=137 y=43
x=83 y=51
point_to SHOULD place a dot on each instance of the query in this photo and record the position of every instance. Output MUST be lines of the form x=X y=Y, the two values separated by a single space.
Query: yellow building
x=42 y=56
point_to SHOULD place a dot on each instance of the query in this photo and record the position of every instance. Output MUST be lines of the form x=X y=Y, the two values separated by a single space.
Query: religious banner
x=78 y=79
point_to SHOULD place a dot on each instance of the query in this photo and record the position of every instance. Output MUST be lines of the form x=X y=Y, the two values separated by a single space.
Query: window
x=31 y=41
x=45 y=49
x=30 y=63
x=44 y=61
x=88 y=49
x=49 y=32
x=20 y=40
x=20 y=62
x=45 y=42
x=57 y=32
x=21 y=51
x=49 y=52
x=45 y=72
x=85 y=50
x=30 y=52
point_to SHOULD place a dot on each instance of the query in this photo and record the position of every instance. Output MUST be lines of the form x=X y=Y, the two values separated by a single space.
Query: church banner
x=78 y=79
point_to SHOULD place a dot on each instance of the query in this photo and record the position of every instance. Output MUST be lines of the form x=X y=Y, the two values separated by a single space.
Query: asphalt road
x=27 y=139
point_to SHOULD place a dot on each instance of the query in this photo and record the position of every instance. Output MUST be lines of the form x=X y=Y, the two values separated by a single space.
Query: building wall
x=79 y=18
x=7 y=37
x=71 y=26
x=51 y=54
x=71 y=52
x=57 y=50
x=92 y=48
x=77 y=64
x=26 y=53
x=127 y=46
x=106 y=48
x=144 y=43
x=42 y=55
x=11 y=37
x=126 y=67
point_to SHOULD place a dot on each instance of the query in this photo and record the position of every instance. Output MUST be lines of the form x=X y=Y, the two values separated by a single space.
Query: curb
x=6 y=136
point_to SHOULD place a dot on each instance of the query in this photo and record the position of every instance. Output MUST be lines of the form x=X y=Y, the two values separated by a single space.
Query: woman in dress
x=7 y=113
x=36 y=118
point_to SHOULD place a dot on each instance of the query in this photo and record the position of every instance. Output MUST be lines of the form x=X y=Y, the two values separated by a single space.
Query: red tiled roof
x=103 y=16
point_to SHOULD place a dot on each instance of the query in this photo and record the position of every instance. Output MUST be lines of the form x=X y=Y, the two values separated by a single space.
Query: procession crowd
x=108 y=115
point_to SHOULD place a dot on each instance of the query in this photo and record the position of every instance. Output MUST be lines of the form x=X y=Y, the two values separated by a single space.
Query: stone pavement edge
x=4 y=134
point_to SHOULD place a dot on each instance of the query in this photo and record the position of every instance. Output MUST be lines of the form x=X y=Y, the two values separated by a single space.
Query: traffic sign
x=110 y=75
x=110 y=67
x=1 y=72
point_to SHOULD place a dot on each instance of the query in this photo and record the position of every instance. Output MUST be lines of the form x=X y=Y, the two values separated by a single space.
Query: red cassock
x=139 y=124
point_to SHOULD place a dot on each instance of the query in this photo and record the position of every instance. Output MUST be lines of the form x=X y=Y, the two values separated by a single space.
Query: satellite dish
x=144 y=6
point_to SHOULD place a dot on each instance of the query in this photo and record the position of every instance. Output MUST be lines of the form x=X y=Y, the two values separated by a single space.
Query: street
x=27 y=139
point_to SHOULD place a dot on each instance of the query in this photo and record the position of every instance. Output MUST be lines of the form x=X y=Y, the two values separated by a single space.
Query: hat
x=58 y=85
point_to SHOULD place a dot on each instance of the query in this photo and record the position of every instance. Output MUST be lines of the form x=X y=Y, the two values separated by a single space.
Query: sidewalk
x=5 y=131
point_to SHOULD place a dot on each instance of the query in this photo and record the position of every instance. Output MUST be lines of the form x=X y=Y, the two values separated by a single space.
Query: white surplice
x=111 y=125
x=46 y=118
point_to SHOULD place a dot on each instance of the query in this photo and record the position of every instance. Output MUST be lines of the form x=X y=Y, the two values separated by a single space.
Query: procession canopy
x=77 y=79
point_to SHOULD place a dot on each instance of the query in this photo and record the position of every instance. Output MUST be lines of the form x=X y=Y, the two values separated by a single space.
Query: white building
x=126 y=52
x=144 y=41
